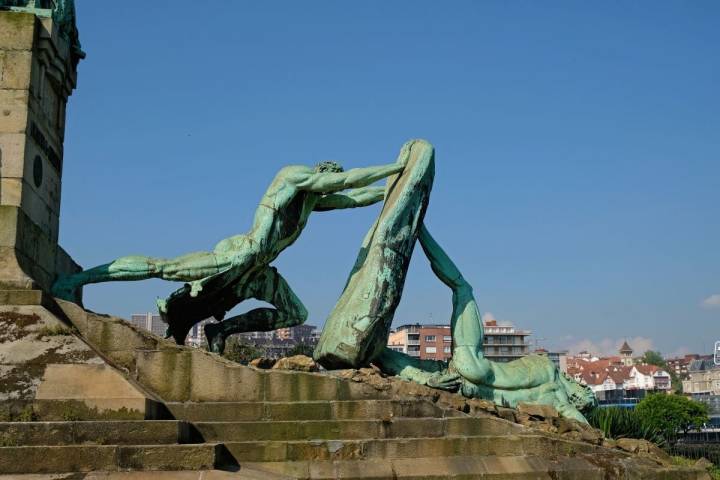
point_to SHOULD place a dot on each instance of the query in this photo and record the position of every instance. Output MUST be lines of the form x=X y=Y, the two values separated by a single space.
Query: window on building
x=429 y=338
x=447 y=338
x=446 y=349
x=430 y=350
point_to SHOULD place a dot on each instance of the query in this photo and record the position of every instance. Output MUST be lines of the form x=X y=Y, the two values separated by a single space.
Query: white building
x=648 y=377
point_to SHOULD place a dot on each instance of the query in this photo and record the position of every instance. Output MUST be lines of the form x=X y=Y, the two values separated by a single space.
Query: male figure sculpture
x=531 y=379
x=238 y=267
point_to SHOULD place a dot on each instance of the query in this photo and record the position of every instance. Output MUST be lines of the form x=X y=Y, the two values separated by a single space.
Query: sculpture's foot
x=65 y=290
x=215 y=337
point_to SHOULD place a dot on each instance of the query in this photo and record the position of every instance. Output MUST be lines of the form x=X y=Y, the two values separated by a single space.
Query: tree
x=655 y=358
x=672 y=414
x=240 y=352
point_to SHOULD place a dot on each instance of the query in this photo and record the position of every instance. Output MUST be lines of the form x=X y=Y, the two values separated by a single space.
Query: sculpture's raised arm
x=359 y=197
x=328 y=182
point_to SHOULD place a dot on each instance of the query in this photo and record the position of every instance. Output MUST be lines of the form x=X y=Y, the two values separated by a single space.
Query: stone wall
x=36 y=78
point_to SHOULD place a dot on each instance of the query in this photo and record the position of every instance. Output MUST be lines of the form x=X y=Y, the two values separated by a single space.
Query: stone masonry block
x=74 y=458
x=117 y=339
x=17 y=30
x=13 y=111
x=15 y=69
x=215 y=379
x=295 y=386
x=12 y=153
x=10 y=191
x=166 y=373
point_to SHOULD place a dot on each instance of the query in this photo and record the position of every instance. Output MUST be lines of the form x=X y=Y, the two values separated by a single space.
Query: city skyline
x=577 y=166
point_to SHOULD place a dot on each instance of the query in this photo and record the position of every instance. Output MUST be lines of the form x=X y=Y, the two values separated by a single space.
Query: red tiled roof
x=647 y=369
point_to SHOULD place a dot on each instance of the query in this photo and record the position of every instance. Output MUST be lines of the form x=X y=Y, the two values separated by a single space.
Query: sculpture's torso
x=279 y=219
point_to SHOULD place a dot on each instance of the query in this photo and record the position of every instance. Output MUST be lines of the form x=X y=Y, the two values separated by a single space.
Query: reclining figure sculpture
x=356 y=332
x=531 y=379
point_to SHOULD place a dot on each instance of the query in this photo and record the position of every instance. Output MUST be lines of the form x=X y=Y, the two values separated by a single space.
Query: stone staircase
x=380 y=439
x=291 y=425
x=84 y=446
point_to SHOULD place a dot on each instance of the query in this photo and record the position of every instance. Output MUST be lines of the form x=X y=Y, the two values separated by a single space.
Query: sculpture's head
x=581 y=396
x=328 y=167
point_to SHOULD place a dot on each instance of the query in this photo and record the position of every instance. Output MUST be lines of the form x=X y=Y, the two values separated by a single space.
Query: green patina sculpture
x=238 y=267
x=62 y=13
x=531 y=379
x=356 y=332
x=357 y=329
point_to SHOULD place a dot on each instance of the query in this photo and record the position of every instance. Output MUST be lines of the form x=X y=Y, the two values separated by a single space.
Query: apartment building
x=152 y=322
x=435 y=342
x=703 y=378
x=502 y=343
x=703 y=384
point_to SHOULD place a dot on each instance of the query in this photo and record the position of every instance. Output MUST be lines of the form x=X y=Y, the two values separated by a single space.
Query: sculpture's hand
x=445 y=381
x=404 y=155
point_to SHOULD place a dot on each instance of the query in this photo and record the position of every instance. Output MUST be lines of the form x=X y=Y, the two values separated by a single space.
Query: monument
x=39 y=54
x=146 y=403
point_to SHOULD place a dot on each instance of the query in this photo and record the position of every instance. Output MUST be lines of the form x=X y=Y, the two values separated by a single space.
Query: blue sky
x=577 y=148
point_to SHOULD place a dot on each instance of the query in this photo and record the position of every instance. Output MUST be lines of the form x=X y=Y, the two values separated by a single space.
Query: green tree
x=241 y=352
x=655 y=358
x=671 y=414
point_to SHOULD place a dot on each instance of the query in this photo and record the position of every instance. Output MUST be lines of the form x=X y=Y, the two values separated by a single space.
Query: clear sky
x=577 y=149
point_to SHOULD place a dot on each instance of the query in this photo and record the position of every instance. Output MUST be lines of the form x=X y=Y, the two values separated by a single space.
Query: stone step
x=398 y=427
x=317 y=410
x=87 y=458
x=466 y=467
x=448 y=446
x=429 y=468
x=141 y=432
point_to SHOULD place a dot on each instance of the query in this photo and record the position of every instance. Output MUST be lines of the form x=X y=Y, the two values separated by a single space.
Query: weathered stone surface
x=97 y=386
x=13 y=119
x=643 y=448
x=538 y=411
x=22 y=297
x=90 y=432
x=300 y=363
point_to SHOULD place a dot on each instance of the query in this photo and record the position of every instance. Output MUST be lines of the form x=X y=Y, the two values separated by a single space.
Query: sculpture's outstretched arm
x=329 y=182
x=432 y=373
x=466 y=323
x=359 y=197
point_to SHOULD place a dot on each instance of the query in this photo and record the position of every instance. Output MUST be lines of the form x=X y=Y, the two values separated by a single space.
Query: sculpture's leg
x=357 y=329
x=184 y=268
x=268 y=286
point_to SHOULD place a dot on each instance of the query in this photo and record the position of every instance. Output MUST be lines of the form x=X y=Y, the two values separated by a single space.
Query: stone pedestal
x=37 y=75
